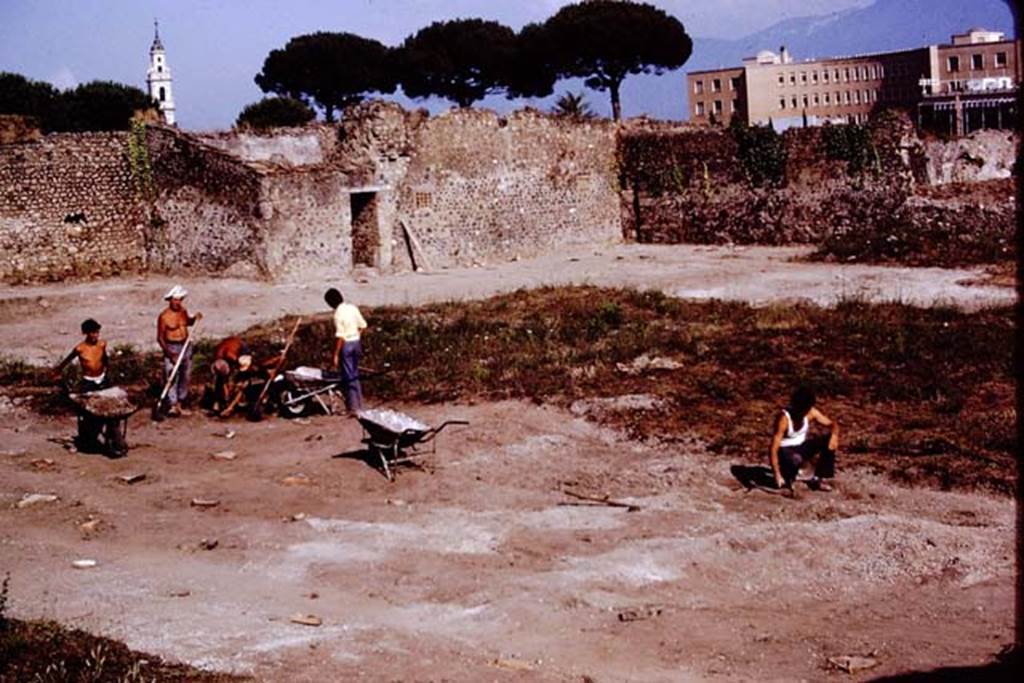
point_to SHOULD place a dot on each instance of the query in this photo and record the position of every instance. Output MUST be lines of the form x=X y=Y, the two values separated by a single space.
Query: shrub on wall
x=761 y=151
x=851 y=143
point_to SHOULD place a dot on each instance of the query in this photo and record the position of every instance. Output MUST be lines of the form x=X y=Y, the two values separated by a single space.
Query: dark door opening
x=365 y=232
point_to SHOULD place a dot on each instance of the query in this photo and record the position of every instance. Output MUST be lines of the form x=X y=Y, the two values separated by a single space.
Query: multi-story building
x=948 y=85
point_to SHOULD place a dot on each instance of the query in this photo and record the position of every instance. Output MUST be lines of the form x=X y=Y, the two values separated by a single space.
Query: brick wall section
x=207 y=211
x=686 y=185
x=474 y=187
x=68 y=208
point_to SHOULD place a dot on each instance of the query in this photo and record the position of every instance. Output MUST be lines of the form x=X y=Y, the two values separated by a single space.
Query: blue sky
x=216 y=47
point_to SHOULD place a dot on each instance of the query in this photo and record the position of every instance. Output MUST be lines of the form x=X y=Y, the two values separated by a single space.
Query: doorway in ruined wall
x=365 y=229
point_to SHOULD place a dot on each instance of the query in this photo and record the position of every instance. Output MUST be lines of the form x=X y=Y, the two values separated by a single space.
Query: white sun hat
x=176 y=292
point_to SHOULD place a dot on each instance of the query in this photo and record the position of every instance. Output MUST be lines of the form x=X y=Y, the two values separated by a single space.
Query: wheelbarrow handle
x=441 y=426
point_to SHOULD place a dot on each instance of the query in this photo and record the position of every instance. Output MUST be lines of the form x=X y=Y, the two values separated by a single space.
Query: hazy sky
x=216 y=47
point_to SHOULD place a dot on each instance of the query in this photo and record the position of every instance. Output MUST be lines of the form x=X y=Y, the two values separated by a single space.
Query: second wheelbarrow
x=396 y=437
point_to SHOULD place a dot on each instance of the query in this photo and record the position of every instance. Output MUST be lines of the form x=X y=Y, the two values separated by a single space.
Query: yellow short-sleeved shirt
x=348 y=321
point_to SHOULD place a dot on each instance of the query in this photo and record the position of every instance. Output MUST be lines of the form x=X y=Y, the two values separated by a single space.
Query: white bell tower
x=158 y=77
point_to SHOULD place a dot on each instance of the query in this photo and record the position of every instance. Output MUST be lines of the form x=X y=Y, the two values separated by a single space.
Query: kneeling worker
x=792 y=450
x=231 y=358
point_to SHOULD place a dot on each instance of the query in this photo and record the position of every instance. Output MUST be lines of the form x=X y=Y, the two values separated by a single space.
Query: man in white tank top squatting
x=792 y=450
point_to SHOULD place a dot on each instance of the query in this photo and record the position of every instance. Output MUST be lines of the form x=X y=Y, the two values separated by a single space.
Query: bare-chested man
x=171 y=332
x=92 y=356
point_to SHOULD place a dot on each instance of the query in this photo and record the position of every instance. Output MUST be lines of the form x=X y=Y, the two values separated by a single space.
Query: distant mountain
x=883 y=26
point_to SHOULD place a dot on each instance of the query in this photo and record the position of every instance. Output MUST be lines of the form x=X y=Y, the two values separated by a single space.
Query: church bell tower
x=158 y=78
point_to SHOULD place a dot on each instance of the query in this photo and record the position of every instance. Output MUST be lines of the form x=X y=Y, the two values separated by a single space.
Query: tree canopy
x=331 y=70
x=603 y=41
x=272 y=112
x=95 y=106
x=462 y=60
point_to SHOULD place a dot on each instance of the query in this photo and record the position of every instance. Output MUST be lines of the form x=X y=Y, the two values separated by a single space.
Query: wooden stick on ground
x=604 y=500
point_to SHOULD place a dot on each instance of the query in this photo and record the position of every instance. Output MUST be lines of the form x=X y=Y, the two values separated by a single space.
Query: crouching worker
x=234 y=368
x=349 y=325
x=92 y=357
x=793 y=451
x=231 y=360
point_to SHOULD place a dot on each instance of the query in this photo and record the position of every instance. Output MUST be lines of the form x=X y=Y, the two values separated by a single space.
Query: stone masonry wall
x=690 y=185
x=68 y=208
x=473 y=187
x=207 y=211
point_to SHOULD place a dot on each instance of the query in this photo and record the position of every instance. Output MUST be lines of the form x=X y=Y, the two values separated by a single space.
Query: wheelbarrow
x=304 y=388
x=398 y=438
x=103 y=412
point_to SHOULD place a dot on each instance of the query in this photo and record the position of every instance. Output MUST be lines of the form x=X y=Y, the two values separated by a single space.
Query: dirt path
x=40 y=323
x=478 y=570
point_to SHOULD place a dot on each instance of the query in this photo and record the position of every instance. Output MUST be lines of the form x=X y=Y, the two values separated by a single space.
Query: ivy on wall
x=138 y=160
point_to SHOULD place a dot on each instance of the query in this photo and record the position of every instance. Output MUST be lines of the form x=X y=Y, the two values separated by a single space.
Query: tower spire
x=158 y=78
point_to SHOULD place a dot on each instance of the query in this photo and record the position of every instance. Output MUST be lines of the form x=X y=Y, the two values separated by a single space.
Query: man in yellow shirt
x=349 y=325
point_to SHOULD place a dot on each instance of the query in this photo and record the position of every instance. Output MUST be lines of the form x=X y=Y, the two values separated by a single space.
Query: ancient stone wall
x=469 y=186
x=68 y=208
x=206 y=211
x=686 y=185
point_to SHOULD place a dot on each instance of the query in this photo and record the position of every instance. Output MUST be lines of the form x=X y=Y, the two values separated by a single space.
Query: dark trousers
x=351 y=353
x=91 y=427
x=812 y=450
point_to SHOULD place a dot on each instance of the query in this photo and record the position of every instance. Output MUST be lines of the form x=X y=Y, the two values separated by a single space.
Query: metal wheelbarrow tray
x=110 y=406
x=396 y=437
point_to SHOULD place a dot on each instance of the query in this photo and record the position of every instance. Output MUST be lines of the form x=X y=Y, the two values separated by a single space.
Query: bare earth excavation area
x=496 y=560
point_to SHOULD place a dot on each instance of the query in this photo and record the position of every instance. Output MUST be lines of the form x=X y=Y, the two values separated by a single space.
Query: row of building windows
x=846 y=74
x=716 y=85
x=977 y=61
x=716 y=107
x=846 y=97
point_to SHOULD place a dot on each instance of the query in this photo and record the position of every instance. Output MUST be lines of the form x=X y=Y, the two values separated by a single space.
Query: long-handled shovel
x=256 y=409
x=158 y=413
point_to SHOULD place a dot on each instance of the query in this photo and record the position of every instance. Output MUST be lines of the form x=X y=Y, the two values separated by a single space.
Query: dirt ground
x=40 y=323
x=480 y=567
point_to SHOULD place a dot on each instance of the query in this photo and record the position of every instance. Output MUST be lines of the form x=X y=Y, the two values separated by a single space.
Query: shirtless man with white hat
x=171 y=331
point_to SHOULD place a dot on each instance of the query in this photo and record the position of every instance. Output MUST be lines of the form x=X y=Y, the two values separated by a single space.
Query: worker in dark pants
x=792 y=450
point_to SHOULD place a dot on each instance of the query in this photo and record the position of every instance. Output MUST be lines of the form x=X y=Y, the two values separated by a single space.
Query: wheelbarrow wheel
x=289 y=408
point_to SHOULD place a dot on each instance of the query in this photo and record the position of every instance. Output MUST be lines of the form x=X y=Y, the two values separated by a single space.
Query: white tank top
x=794 y=437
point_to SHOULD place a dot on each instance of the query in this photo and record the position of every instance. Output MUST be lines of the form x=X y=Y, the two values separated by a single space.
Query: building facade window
x=816 y=99
x=977 y=62
x=732 y=106
x=856 y=96
x=881 y=71
x=824 y=76
x=698 y=87
x=716 y=85
x=835 y=75
x=846 y=97
x=846 y=75
x=734 y=82
x=782 y=80
x=953 y=64
x=814 y=77
x=793 y=102
x=803 y=77
x=1001 y=59
x=826 y=98
x=864 y=73
x=805 y=100
x=698 y=109
x=782 y=103
x=792 y=79
x=872 y=72
x=717 y=106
